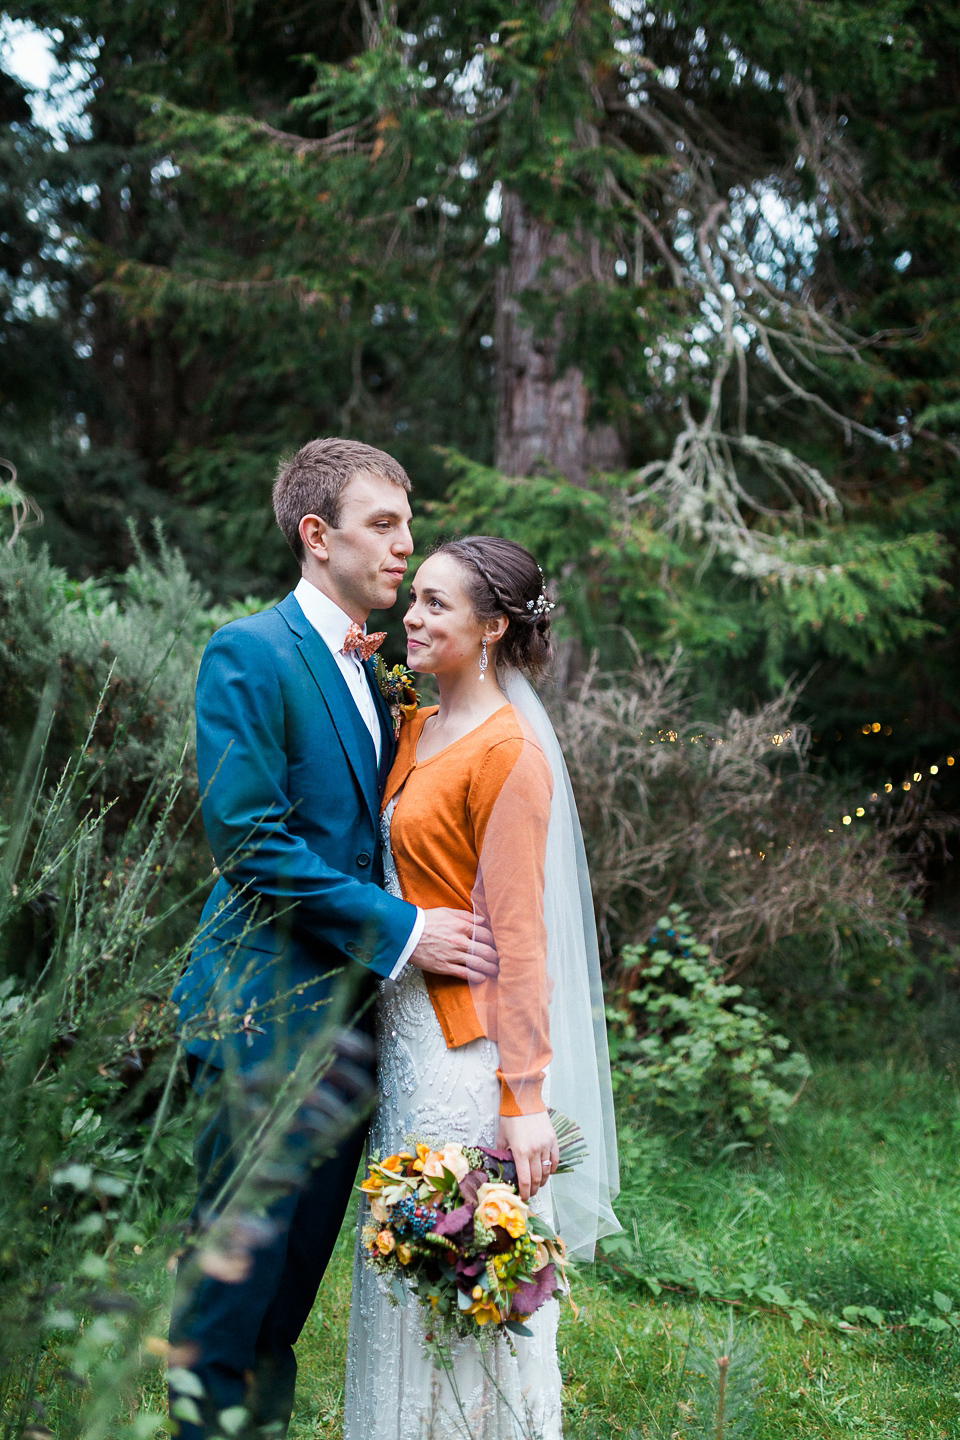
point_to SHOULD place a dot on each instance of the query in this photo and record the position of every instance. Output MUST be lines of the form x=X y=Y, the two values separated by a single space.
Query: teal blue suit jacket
x=291 y=798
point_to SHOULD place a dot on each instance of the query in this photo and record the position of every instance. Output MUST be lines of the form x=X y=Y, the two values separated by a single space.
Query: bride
x=478 y=814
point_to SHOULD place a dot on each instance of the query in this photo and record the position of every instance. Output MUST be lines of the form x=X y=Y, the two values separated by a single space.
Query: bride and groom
x=444 y=863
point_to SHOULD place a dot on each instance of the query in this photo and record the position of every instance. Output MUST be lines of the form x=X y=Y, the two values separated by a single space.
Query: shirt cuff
x=412 y=942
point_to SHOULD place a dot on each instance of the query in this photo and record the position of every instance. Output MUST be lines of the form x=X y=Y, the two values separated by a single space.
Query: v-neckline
x=418 y=764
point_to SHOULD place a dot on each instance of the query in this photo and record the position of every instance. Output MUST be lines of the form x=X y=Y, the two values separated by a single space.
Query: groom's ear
x=313 y=534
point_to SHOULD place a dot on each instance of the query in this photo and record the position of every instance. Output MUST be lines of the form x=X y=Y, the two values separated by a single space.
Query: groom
x=294 y=744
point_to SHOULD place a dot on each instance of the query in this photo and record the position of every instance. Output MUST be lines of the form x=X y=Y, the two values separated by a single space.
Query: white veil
x=578 y=1076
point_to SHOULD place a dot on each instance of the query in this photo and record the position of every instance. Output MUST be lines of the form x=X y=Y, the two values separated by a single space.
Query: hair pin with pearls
x=542 y=605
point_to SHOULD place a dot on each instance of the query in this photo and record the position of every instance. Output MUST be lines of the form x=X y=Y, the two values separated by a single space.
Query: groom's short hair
x=312 y=482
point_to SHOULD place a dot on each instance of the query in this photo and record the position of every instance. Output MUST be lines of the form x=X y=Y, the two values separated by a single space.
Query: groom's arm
x=242 y=764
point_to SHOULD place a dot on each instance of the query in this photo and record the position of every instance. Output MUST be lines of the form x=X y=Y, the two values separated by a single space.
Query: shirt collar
x=330 y=622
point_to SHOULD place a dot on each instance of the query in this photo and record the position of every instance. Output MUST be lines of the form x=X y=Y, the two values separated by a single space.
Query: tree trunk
x=542 y=414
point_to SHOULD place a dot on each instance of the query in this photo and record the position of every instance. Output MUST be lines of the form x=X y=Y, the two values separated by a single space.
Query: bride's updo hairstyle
x=502 y=578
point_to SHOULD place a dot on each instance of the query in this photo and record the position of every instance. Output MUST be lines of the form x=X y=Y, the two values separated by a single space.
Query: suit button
x=363 y=859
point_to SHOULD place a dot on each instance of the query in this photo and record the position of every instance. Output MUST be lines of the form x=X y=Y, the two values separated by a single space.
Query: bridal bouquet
x=450 y=1224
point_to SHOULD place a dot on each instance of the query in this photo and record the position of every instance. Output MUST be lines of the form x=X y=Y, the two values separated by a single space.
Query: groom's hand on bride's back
x=455 y=942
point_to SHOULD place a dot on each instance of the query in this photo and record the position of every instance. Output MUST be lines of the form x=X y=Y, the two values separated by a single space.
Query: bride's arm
x=510 y=804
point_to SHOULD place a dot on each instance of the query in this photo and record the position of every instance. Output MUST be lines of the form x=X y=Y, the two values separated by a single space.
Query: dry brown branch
x=342 y=142
x=724 y=818
x=703 y=486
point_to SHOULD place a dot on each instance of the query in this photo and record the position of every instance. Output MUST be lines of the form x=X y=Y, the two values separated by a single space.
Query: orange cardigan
x=469 y=831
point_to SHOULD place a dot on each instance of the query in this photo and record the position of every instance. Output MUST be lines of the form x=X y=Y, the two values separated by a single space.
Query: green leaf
x=79 y=1176
x=399 y=1290
x=146 y=1424
x=185 y=1382
x=516 y=1328
x=94 y=1267
x=232 y=1421
x=183 y=1408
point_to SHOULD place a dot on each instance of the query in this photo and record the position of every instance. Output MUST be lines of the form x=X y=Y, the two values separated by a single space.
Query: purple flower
x=531 y=1294
x=503 y=1159
x=471 y=1183
x=452 y=1222
x=468 y=1270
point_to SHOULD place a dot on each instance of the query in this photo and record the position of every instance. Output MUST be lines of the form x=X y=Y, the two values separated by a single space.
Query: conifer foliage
x=710 y=251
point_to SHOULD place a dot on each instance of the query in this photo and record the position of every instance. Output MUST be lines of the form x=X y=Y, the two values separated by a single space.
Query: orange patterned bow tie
x=364 y=645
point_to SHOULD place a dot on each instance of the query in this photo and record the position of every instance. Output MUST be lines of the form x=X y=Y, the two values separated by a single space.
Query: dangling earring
x=483 y=662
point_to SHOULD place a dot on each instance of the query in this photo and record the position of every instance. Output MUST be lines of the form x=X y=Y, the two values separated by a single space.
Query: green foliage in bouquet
x=688 y=1043
x=448 y=1224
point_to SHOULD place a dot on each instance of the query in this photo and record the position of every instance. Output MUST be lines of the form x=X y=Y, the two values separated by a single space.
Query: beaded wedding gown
x=393 y=1389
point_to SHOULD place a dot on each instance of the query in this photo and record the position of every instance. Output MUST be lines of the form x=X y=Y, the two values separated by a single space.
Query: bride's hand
x=457 y=943
x=533 y=1141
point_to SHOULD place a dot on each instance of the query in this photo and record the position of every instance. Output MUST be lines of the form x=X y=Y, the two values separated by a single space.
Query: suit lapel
x=352 y=732
x=387 y=743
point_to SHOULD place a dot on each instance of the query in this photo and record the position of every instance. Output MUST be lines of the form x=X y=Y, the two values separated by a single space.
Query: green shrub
x=129 y=649
x=686 y=1042
x=94 y=1145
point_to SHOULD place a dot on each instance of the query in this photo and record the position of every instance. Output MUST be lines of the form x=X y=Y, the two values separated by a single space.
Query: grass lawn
x=855 y=1203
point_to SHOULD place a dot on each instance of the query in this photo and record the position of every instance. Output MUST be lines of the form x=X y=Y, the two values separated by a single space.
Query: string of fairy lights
x=859 y=812
x=854 y=812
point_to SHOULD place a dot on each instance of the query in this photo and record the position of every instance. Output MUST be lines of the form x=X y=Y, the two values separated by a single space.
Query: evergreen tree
x=710 y=250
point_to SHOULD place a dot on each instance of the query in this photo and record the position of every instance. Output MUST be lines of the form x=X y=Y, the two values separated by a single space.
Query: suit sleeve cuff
x=413 y=941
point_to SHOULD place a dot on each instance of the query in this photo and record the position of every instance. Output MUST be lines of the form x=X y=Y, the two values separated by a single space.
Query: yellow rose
x=372 y=1184
x=404 y=1254
x=385 y=1242
x=422 y=1152
x=378 y=1210
x=498 y=1204
x=451 y=1158
x=392 y=1163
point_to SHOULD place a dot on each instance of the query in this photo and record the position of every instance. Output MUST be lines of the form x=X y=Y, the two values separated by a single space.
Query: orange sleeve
x=509 y=804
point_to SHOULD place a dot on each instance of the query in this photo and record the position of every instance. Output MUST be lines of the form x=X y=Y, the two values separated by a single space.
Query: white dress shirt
x=331 y=624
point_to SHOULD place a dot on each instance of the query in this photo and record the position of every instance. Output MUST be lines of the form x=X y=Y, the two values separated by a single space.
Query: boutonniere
x=397 y=688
